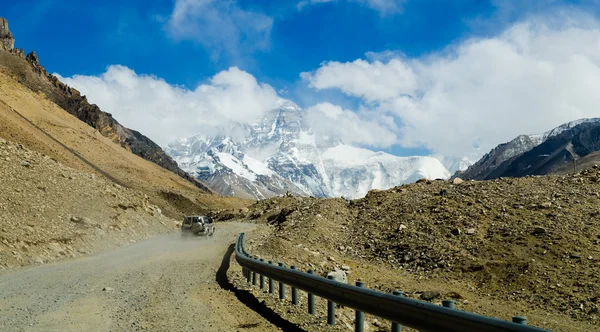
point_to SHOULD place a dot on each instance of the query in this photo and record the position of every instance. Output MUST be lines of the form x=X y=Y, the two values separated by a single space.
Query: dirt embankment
x=49 y=211
x=527 y=246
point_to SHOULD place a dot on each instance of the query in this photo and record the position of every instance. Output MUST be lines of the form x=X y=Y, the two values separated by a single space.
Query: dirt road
x=164 y=284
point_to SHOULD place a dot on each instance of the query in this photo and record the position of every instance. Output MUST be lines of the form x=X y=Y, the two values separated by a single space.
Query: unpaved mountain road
x=167 y=283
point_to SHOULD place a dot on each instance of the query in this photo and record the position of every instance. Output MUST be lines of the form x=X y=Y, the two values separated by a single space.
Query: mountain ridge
x=283 y=154
x=537 y=154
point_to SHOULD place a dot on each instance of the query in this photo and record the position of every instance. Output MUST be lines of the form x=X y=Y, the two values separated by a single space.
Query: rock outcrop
x=7 y=41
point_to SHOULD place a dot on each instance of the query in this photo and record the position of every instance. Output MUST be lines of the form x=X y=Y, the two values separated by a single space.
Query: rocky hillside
x=504 y=247
x=49 y=211
x=551 y=152
x=30 y=73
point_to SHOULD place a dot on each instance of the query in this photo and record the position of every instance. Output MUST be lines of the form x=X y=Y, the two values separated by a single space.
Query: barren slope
x=28 y=71
x=49 y=211
x=30 y=119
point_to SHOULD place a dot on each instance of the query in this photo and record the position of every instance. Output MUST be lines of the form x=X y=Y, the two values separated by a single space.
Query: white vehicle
x=198 y=225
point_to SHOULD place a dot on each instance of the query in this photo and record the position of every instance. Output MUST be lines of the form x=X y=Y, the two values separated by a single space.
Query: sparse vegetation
x=512 y=246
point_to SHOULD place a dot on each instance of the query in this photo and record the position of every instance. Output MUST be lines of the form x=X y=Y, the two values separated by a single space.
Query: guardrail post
x=311 y=299
x=254 y=273
x=294 y=291
x=425 y=316
x=281 y=286
x=448 y=304
x=330 y=309
x=520 y=320
x=262 y=278
x=271 y=282
x=359 y=318
x=395 y=326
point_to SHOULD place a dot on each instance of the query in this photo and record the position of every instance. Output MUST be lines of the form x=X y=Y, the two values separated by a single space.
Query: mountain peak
x=287 y=105
x=7 y=41
x=281 y=154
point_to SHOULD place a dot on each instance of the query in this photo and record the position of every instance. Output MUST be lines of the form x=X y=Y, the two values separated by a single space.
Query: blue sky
x=84 y=37
x=275 y=41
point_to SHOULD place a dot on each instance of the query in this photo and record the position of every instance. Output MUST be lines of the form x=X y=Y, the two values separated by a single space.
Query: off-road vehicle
x=198 y=225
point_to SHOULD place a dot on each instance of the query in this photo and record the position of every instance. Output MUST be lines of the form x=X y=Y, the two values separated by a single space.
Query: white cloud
x=382 y=6
x=220 y=26
x=372 y=81
x=165 y=112
x=359 y=129
x=530 y=78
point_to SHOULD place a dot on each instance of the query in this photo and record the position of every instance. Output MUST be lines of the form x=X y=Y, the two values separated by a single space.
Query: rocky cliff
x=32 y=74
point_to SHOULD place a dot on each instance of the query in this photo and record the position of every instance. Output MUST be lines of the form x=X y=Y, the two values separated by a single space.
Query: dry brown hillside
x=30 y=119
x=524 y=246
x=49 y=211
x=72 y=180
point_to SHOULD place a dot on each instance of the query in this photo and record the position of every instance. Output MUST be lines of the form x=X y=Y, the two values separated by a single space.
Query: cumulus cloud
x=371 y=81
x=165 y=112
x=382 y=6
x=220 y=26
x=353 y=128
x=481 y=92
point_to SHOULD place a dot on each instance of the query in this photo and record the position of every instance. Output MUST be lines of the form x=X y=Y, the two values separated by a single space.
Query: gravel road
x=167 y=283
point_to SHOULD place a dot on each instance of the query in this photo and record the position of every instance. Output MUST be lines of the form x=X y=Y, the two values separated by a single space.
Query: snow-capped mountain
x=560 y=129
x=282 y=154
x=454 y=164
x=502 y=160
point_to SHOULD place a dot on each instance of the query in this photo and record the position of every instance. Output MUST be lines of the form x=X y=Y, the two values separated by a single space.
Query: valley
x=91 y=209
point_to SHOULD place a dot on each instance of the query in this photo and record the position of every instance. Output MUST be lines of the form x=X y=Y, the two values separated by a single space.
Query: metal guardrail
x=400 y=310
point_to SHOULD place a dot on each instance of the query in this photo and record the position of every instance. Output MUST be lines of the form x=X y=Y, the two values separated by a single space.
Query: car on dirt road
x=198 y=225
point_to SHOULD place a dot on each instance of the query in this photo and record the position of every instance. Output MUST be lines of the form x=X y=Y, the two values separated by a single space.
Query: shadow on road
x=248 y=299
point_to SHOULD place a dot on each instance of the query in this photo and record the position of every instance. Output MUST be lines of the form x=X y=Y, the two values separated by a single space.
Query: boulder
x=339 y=275
x=430 y=295
x=539 y=230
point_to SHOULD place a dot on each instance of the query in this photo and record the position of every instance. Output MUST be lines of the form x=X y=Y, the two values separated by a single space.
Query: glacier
x=281 y=154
